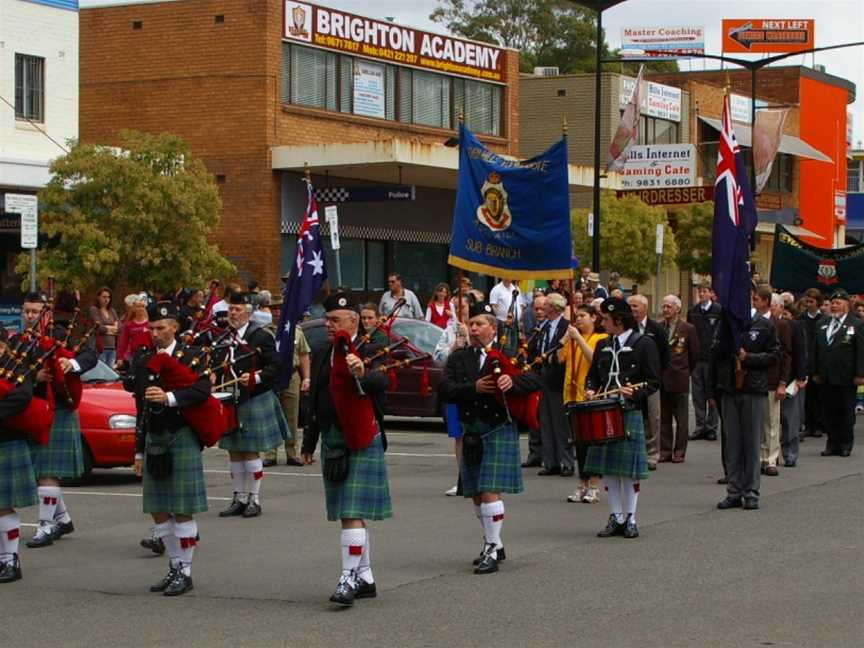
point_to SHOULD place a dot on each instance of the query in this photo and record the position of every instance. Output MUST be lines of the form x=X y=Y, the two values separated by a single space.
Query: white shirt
x=622 y=338
x=835 y=325
x=706 y=306
x=240 y=333
x=500 y=298
x=643 y=326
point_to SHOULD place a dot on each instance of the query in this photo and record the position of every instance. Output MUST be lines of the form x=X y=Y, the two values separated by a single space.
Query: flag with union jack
x=735 y=221
x=307 y=275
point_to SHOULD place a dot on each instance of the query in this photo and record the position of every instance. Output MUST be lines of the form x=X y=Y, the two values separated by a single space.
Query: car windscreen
x=100 y=373
x=421 y=334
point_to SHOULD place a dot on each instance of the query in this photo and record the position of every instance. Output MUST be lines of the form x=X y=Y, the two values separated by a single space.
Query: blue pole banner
x=512 y=217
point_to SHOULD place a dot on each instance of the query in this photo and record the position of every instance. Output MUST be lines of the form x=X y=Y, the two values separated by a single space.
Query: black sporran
x=159 y=460
x=472 y=449
x=335 y=462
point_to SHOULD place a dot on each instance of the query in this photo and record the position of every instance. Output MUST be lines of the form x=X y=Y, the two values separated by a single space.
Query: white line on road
x=418 y=454
x=103 y=494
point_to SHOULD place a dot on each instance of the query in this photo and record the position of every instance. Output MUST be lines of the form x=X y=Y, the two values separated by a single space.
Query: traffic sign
x=331 y=215
x=28 y=206
x=778 y=35
x=659 y=247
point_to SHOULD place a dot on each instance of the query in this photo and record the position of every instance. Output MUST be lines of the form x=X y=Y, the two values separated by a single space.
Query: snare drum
x=597 y=422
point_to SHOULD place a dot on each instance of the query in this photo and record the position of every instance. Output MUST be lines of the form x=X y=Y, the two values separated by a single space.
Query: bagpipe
x=509 y=337
x=354 y=408
x=524 y=408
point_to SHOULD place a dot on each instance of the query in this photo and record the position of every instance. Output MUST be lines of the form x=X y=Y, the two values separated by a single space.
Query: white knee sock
x=238 y=479
x=630 y=492
x=165 y=531
x=493 y=520
x=186 y=534
x=353 y=542
x=613 y=490
x=364 y=570
x=48 y=497
x=10 y=529
x=61 y=515
x=254 y=475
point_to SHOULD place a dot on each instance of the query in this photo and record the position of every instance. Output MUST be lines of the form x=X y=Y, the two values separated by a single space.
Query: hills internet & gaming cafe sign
x=386 y=41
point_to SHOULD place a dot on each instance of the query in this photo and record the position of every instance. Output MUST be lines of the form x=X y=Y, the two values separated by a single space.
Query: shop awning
x=768 y=228
x=789 y=144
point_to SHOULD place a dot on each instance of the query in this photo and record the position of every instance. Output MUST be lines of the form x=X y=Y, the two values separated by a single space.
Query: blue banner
x=512 y=217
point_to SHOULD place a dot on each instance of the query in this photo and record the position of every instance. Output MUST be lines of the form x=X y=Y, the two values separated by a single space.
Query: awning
x=789 y=144
x=768 y=228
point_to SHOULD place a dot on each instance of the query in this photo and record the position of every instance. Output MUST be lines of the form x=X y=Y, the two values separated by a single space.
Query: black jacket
x=800 y=359
x=266 y=361
x=841 y=361
x=812 y=326
x=15 y=402
x=552 y=370
x=638 y=362
x=759 y=340
x=657 y=334
x=706 y=323
x=458 y=386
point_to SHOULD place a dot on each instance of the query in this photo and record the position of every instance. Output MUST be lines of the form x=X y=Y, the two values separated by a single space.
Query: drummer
x=625 y=359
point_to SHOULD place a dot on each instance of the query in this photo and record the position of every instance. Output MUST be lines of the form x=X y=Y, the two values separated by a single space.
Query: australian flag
x=735 y=220
x=307 y=275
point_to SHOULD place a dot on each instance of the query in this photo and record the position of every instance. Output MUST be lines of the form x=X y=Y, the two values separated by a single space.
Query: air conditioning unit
x=546 y=71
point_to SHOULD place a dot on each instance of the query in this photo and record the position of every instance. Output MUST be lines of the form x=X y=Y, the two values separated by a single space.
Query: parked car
x=405 y=399
x=107 y=414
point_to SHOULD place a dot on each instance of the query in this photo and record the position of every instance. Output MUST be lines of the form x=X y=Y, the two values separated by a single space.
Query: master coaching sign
x=385 y=41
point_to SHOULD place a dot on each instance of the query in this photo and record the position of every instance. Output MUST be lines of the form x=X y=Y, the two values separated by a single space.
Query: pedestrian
x=438 y=311
x=455 y=337
x=352 y=449
x=103 y=314
x=790 y=408
x=770 y=305
x=263 y=314
x=594 y=288
x=399 y=299
x=683 y=345
x=370 y=328
x=504 y=300
x=191 y=308
x=578 y=353
x=812 y=319
x=535 y=440
x=135 y=329
x=705 y=317
x=289 y=399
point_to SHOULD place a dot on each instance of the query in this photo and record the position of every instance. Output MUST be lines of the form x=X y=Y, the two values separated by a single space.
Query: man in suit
x=840 y=370
x=812 y=319
x=790 y=409
x=554 y=429
x=769 y=305
x=535 y=441
x=683 y=346
x=705 y=316
x=653 y=331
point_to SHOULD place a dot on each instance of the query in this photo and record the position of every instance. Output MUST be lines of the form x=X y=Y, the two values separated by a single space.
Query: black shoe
x=723 y=480
x=291 y=461
x=502 y=556
x=10 y=571
x=729 y=502
x=710 y=436
x=44 y=537
x=154 y=544
x=163 y=584
x=532 y=463
x=488 y=564
x=180 y=584
x=545 y=472
x=816 y=434
x=613 y=528
x=790 y=464
x=567 y=472
x=844 y=453
x=268 y=463
x=751 y=503
x=345 y=594
x=630 y=528
x=236 y=507
x=827 y=452
x=64 y=528
x=698 y=434
x=652 y=466
x=763 y=467
x=365 y=590
x=253 y=509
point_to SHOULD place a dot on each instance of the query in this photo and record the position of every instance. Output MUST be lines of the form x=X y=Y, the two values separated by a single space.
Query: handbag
x=335 y=464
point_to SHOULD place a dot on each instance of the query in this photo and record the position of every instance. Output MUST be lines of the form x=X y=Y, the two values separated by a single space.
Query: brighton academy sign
x=385 y=41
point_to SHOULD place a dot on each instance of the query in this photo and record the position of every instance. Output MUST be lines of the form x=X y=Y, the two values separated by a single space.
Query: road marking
x=267 y=473
x=103 y=494
x=418 y=454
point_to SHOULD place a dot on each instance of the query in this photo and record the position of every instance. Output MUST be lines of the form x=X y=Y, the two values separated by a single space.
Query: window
x=854 y=180
x=29 y=87
x=313 y=78
x=657 y=131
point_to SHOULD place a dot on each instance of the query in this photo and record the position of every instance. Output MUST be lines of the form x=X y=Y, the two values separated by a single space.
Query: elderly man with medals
x=346 y=401
x=168 y=452
x=487 y=389
x=627 y=365
x=248 y=364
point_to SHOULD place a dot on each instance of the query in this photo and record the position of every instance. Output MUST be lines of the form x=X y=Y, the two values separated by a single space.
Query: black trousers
x=813 y=407
x=838 y=414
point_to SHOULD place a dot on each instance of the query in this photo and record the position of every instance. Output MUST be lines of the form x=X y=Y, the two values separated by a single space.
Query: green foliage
x=554 y=33
x=693 y=236
x=628 y=230
x=139 y=215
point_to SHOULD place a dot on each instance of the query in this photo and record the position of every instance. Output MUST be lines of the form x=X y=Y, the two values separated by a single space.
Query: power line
x=35 y=125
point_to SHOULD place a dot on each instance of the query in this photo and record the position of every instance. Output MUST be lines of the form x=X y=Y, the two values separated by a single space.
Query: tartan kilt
x=262 y=425
x=183 y=492
x=365 y=493
x=501 y=469
x=62 y=456
x=625 y=458
x=17 y=482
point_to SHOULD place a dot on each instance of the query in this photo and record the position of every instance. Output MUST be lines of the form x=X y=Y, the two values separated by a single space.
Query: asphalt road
x=789 y=574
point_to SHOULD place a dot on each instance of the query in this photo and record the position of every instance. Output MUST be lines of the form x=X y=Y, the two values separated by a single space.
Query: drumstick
x=617 y=390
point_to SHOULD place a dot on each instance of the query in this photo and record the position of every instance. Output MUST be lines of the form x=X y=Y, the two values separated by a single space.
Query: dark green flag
x=797 y=266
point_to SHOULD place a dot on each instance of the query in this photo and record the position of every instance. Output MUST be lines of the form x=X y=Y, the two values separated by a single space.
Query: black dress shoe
x=723 y=480
x=365 y=590
x=64 y=528
x=163 y=584
x=711 y=436
x=751 y=503
x=291 y=461
x=790 y=464
x=488 y=564
x=827 y=452
x=567 y=472
x=729 y=502
x=253 y=509
x=698 y=434
x=180 y=584
x=613 y=528
x=630 y=528
x=545 y=472
x=10 y=571
x=268 y=463
x=763 y=467
x=502 y=556
x=531 y=463
x=652 y=466
x=45 y=536
x=345 y=594
x=154 y=544
x=844 y=453
x=236 y=507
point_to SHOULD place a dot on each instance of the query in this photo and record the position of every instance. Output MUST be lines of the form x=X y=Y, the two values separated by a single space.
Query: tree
x=553 y=33
x=694 y=224
x=628 y=231
x=139 y=216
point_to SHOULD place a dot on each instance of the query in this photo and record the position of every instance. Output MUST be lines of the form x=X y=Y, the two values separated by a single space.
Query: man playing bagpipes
x=62 y=457
x=167 y=450
x=345 y=399
x=249 y=362
x=489 y=392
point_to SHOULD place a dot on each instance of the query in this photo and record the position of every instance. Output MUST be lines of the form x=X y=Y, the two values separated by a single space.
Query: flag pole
x=461 y=274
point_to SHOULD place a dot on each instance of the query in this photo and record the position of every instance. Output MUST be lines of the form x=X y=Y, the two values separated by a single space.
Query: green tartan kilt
x=501 y=469
x=17 y=482
x=365 y=493
x=625 y=458
x=183 y=492
x=262 y=425
x=62 y=456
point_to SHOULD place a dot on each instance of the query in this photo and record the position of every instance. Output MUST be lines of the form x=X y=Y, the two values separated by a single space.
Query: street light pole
x=595 y=240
